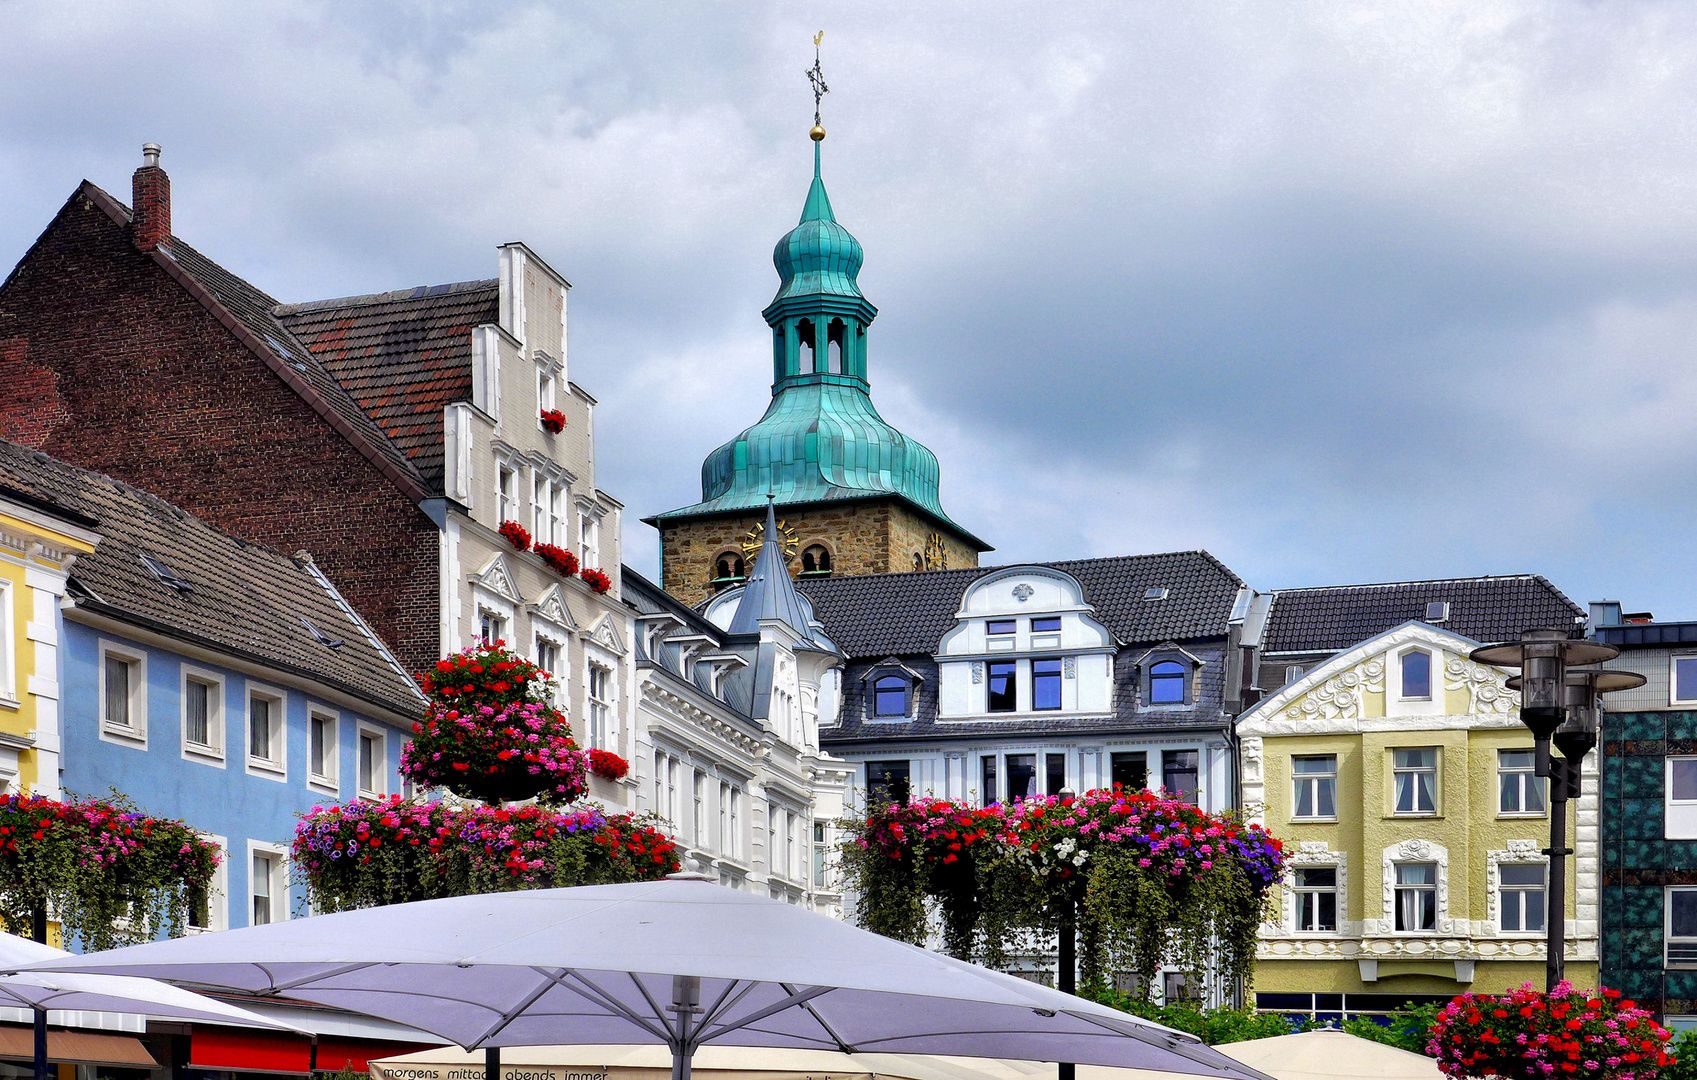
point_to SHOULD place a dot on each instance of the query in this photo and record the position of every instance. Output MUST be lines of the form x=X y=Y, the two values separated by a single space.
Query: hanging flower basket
x=554 y=421
x=562 y=561
x=492 y=733
x=597 y=579
x=516 y=534
x=607 y=765
x=1528 y=1035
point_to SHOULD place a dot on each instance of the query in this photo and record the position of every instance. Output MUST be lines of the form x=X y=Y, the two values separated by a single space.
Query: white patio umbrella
x=677 y=962
x=44 y=991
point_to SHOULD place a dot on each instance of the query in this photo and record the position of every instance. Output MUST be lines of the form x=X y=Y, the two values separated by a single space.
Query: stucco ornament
x=1339 y=698
x=1484 y=686
x=1023 y=592
x=1415 y=849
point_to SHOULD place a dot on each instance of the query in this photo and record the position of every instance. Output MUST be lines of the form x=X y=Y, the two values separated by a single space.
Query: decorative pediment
x=606 y=635
x=890 y=665
x=498 y=579
x=552 y=607
x=1168 y=648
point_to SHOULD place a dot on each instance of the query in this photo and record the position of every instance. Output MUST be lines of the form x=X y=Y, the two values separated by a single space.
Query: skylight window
x=165 y=574
x=1156 y=592
x=1437 y=610
x=321 y=637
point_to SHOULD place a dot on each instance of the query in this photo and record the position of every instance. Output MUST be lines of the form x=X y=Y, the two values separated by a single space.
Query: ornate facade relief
x=1484 y=686
x=1340 y=697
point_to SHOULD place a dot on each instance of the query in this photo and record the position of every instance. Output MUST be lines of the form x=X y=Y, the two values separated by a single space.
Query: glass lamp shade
x=1543 y=655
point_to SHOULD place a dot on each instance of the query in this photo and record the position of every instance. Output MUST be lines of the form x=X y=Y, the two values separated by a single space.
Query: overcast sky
x=1339 y=292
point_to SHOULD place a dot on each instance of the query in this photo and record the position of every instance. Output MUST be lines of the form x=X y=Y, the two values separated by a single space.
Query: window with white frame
x=8 y=657
x=123 y=692
x=209 y=908
x=1521 y=897
x=1316 y=889
x=506 y=493
x=600 y=705
x=265 y=730
x=268 y=886
x=1520 y=790
x=1679 y=810
x=697 y=817
x=490 y=627
x=1416 y=897
x=1680 y=929
x=672 y=807
x=1682 y=680
x=373 y=763
x=820 y=851
x=724 y=818
x=1314 y=778
x=1414 y=779
x=1416 y=675
x=734 y=849
x=589 y=540
x=544 y=390
x=322 y=744
x=542 y=510
x=203 y=713
x=789 y=844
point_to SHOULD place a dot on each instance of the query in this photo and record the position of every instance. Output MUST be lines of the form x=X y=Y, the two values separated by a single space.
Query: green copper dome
x=821 y=439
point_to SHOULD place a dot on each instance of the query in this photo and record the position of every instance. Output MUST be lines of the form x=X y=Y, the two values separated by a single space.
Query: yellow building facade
x=38 y=544
x=1399 y=776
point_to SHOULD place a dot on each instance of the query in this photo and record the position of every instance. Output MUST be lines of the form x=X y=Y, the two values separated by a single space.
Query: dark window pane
x=1416 y=674
x=1000 y=626
x=1129 y=770
x=1684 y=778
x=1166 y=684
x=1685 y=677
x=1022 y=776
x=886 y=781
x=1683 y=920
x=1326 y=878
x=1046 y=626
x=889 y=696
x=1327 y=917
x=1045 y=684
x=1003 y=697
x=1055 y=770
x=1523 y=875
x=1178 y=774
x=990 y=792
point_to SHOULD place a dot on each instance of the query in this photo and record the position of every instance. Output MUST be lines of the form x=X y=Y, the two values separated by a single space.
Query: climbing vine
x=1148 y=882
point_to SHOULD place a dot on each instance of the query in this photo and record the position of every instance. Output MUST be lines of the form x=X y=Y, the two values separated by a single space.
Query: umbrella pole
x=686 y=1002
x=492 y=1063
x=38 y=928
x=1066 y=970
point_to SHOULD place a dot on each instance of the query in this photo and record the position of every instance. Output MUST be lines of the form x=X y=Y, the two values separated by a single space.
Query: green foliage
x=1683 y=1049
x=1212 y=1026
x=1408 y=1028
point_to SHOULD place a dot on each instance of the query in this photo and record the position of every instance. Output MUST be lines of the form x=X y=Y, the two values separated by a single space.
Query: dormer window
x=1167 y=683
x=890 y=696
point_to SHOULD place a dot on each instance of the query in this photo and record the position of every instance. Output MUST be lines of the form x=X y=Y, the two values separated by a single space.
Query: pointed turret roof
x=770 y=593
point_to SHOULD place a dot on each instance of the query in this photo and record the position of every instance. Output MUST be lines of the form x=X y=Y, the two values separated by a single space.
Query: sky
x=1340 y=292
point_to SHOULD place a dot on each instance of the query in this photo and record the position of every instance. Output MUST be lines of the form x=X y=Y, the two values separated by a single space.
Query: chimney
x=151 y=224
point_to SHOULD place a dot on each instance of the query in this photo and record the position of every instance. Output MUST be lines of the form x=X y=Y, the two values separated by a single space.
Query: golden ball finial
x=818 y=133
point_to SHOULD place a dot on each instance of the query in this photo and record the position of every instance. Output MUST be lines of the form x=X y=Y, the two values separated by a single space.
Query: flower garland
x=364 y=854
x=516 y=534
x=491 y=733
x=608 y=765
x=110 y=874
x=562 y=561
x=597 y=579
x=554 y=420
x=1146 y=881
x=1528 y=1035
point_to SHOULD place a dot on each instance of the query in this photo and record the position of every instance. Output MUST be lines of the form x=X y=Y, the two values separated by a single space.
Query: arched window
x=889 y=696
x=918 y=561
x=805 y=346
x=1166 y=683
x=834 y=347
x=816 y=561
x=727 y=570
x=1416 y=674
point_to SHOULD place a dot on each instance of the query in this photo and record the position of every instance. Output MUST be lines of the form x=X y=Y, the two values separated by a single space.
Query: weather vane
x=817 y=77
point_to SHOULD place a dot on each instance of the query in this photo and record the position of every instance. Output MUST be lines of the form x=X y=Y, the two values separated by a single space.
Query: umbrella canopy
x=1326 y=1054
x=683 y=963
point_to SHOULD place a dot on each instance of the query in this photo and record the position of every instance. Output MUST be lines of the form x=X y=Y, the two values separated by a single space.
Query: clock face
x=936 y=552
x=756 y=537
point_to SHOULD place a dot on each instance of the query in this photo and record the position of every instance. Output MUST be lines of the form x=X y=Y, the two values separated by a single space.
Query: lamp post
x=1561 y=705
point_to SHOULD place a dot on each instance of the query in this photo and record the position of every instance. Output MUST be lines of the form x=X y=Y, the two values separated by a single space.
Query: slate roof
x=1482 y=608
x=647 y=598
x=252 y=310
x=878 y=615
x=243 y=598
x=402 y=355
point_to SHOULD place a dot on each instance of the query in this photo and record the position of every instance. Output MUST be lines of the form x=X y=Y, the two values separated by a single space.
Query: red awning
x=261 y=1051
x=76 y=1047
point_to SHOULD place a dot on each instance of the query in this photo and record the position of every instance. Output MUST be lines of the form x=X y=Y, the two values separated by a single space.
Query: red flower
x=562 y=561
x=553 y=420
x=597 y=580
x=607 y=765
x=516 y=534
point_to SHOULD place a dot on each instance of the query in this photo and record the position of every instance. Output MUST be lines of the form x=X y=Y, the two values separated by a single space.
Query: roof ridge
x=416 y=292
x=1097 y=559
x=1422 y=581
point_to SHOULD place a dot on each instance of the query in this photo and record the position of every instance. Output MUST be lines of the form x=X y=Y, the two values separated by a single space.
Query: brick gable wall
x=107 y=363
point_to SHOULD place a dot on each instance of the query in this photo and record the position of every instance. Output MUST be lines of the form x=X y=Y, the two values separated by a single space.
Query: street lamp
x=1560 y=703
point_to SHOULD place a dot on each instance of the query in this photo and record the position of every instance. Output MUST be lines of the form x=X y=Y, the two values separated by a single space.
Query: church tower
x=855 y=495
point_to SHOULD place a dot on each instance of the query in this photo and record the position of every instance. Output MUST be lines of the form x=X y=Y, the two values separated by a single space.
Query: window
x=544 y=392
x=373 y=764
x=1129 y=770
x=322 y=746
x=1054 y=773
x=600 y=705
x=542 y=528
x=1416 y=897
x=1522 y=898
x=589 y=539
x=834 y=347
x=1048 y=624
x=1022 y=776
x=1293 y=672
x=804 y=346
x=1681 y=906
x=1317 y=899
x=203 y=714
x=789 y=844
x=123 y=692
x=1415 y=777
x=660 y=783
x=268 y=888
x=1682 y=779
x=889 y=696
x=886 y=781
x=728 y=570
x=1166 y=683
x=1437 y=611
x=724 y=818
x=1175 y=986
x=672 y=790
x=991 y=793
x=506 y=494
x=1315 y=780
x=1520 y=789
x=735 y=848
x=1684 y=678
x=207 y=907
x=1045 y=684
x=491 y=627
x=1416 y=675
x=819 y=854
x=816 y=561
x=1178 y=774
x=547 y=655
x=698 y=819
x=265 y=731
x=1003 y=686
x=998 y=633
